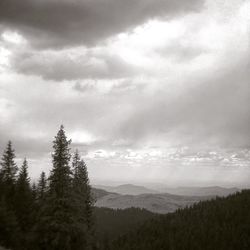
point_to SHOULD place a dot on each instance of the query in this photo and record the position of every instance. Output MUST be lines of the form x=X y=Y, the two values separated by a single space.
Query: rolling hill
x=156 y=203
x=127 y=189
x=161 y=203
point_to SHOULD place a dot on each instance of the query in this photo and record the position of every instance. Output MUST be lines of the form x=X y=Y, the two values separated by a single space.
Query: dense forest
x=219 y=224
x=58 y=212
x=110 y=224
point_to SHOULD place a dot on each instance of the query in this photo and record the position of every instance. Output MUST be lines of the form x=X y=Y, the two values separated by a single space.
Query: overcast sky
x=148 y=90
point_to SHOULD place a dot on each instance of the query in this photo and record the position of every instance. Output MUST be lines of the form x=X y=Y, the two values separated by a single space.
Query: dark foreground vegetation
x=58 y=213
x=223 y=223
x=112 y=223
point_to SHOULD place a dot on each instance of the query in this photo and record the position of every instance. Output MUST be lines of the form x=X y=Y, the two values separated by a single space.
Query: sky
x=149 y=91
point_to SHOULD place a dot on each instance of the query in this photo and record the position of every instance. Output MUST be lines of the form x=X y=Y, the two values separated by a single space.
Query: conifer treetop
x=23 y=175
x=61 y=155
x=8 y=165
x=60 y=177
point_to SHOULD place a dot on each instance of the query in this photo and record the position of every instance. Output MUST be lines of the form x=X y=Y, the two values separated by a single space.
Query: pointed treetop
x=8 y=165
x=43 y=175
x=81 y=173
x=42 y=186
x=61 y=148
x=60 y=177
x=23 y=177
x=24 y=170
x=76 y=159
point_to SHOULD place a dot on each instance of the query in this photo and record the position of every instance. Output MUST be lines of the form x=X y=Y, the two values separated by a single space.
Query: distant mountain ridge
x=161 y=203
x=202 y=191
x=99 y=193
x=156 y=203
x=131 y=189
x=127 y=189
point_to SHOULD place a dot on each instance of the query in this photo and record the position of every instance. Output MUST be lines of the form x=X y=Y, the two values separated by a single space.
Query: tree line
x=55 y=213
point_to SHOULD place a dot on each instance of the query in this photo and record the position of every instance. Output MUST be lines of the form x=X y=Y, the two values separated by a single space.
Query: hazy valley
x=127 y=196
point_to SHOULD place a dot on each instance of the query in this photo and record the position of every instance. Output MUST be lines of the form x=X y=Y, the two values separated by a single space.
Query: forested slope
x=112 y=223
x=222 y=223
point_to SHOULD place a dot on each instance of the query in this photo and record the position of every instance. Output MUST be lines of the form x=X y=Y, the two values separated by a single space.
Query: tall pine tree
x=24 y=204
x=9 y=229
x=42 y=187
x=58 y=226
x=8 y=174
x=84 y=200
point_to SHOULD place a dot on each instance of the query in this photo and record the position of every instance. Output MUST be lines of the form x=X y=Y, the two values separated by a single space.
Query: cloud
x=210 y=111
x=51 y=23
x=205 y=101
x=181 y=53
x=117 y=87
x=83 y=87
x=207 y=109
x=171 y=83
x=71 y=64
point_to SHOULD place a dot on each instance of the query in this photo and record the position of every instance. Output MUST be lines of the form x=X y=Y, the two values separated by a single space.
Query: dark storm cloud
x=89 y=65
x=51 y=23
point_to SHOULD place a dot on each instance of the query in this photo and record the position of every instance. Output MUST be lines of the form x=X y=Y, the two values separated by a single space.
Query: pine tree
x=23 y=198
x=8 y=174
x=9 y=167
x=60 y=178
x=58 y=225
x=83 y=174
x=9 y=230
x=82 y=193
x=23 y=179
x=75 y=161
x=24 y=203
x=34 y=191
x=42 y=187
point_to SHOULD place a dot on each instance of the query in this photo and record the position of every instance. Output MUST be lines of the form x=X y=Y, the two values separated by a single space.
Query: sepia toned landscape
x=124 y=125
